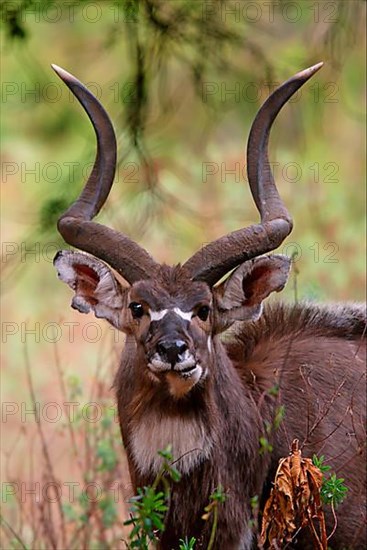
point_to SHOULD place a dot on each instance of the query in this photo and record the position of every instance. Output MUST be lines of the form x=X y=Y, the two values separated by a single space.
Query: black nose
x=170 y=351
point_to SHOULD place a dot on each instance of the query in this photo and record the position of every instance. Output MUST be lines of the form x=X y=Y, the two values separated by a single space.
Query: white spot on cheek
x=157 y=315
x=187 y=315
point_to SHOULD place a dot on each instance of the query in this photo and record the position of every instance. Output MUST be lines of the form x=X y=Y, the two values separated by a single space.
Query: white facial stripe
x=187 y=315
x=158 y=315
x=209 y=344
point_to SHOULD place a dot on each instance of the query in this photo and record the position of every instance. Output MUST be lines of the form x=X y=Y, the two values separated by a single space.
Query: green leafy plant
x=279 y=416
x=319 y=463
x=333 y=491
x=270 y=427
x=148 y=509
x=186 y=544
x=265 y=446
x=149 y=506
x=253 y=522
x=216 y=498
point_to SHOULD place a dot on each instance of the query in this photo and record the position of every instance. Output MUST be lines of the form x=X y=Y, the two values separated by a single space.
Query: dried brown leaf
x=294 y=502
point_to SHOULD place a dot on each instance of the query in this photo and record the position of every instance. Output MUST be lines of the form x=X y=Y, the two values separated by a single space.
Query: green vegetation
x=333 y=490
x=149 y=507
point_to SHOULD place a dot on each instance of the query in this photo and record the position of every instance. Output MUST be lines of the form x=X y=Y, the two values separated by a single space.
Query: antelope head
x=172 y=314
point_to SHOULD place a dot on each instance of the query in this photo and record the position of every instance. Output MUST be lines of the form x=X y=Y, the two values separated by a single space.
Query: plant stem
x=214 y=528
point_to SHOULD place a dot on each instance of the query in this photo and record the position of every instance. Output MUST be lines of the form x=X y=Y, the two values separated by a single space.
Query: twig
x=325 y=410
x=48 y=525
x=3 y=520
x=335 y=521
x=65 y=396
x=295 y=276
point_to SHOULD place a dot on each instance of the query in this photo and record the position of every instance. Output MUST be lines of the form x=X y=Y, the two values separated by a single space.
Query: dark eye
x=137 y=310
x=203 y=312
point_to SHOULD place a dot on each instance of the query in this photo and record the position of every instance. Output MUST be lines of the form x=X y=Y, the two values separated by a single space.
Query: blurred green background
x=182 y=81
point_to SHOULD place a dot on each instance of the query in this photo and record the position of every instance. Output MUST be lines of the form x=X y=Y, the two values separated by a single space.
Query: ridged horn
x=75 y=225
x=220 y=256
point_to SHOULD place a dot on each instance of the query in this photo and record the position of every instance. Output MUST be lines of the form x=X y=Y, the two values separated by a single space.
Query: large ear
x=240 y=297
x=96 y=288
